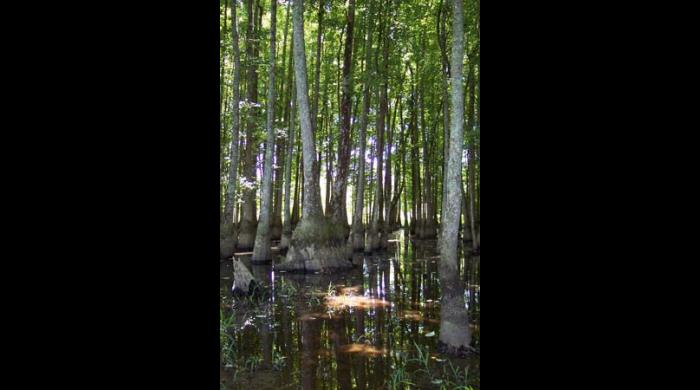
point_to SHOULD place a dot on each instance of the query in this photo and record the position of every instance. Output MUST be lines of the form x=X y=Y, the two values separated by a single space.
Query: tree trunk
x=442 y=40
x=471 y=159
x=385 y=228
x=428 y=223
x=317 y=243
x=317 y=73
x=454 y=324
x=338 y=210
x=276 y=226
x=466 y=230
x=415 y=172
x=228 y=234
x=358 y=228
x=375 y=235
x=261 y=250
x=243 y=280
x=297 y=185
x=246 y=235
x=287 y=227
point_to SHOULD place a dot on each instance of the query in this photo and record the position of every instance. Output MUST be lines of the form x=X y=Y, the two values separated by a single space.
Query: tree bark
x=246 y=235
x=227 y=241
x=338 y=197
x=261 y=250
x=287 y=227
x=317 y=245
x=471 y=159
x=317 y=73
x=442 y=40
x=297 y=183
x=454 y=324
x=375 y=235
x=276 y=226
x=358 y=228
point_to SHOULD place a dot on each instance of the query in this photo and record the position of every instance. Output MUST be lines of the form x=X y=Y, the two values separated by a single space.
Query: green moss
x=319 y=230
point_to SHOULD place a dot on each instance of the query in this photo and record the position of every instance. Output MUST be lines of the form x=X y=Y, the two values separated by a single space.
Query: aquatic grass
x=286 y=289
x=450 y=377
x=313 y=301
x=278 y=361
x=423 y=358
x=226 y=341
x=331 y=290
x=399 y=379
x=454 y=378
x=252 y=363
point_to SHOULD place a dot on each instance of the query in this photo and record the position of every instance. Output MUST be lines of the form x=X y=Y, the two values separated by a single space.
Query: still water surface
x=373 y=327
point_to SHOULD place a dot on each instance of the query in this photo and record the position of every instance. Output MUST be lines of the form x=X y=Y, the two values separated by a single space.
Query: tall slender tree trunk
x=276 y=226
x=339 y=191
x=442 y=40
x=358 y=228
x=317 y=245
x=329 y=160
x=288 y=220
x=222 y=92
x=312 y=195
x=389 y=204
x=454 y=322
x=466 y=230
x=415 y=172
x=246 y=235
x=222 y=50
x=428 y=223
x=261 y=250
x=471 y=159
x=376 y=235
x=297 y=184
x=317 y=72
x=394 y=210
x=386 y=229
x=228 y=230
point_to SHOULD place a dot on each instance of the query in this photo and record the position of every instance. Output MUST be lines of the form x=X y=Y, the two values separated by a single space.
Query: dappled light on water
x=361 y=349
x=354 y=301
x=349 y=329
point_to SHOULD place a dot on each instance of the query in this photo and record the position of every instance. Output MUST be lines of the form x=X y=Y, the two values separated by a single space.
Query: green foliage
x=252 y=363
x=226 y=341
x=399 y=379
x=286 y=289
x=443 y=373
x=278 y=361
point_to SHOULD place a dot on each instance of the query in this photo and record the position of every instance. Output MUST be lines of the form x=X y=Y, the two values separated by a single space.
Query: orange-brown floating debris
x=414 y=315
x=361 y=349
x=351 y=290
x=354 y=301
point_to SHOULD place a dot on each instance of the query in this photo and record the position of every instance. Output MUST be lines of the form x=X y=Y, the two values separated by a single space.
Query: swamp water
x=372 y=327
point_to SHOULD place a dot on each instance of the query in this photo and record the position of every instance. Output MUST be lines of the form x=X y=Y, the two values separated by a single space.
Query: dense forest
x=350 y=145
